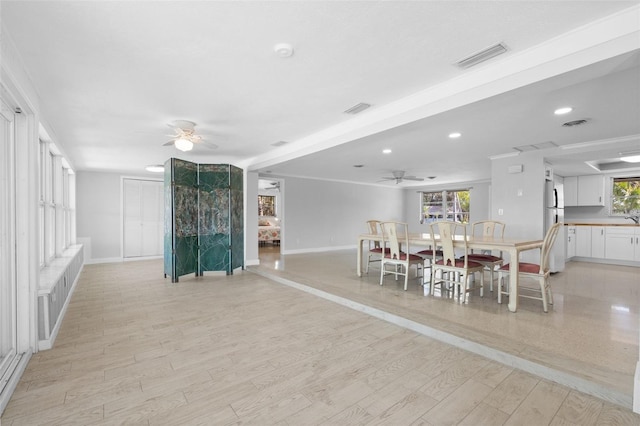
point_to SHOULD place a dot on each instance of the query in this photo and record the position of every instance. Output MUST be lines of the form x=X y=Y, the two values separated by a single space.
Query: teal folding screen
x=204 y=218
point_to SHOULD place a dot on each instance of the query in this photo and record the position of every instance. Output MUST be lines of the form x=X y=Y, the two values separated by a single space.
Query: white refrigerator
x=554 y=213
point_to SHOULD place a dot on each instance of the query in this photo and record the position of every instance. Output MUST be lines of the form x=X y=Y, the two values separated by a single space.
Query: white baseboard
x=103 y=260
x=319 y=249
x=252 y=262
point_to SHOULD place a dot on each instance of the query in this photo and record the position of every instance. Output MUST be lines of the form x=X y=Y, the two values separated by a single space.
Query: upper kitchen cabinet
x=571 y=191
x=591 y=190
x=584 y=191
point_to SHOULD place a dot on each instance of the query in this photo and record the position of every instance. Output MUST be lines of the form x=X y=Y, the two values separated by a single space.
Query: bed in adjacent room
x=268 y=232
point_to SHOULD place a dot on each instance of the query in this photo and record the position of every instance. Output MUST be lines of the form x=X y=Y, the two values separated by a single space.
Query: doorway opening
x=270 y=217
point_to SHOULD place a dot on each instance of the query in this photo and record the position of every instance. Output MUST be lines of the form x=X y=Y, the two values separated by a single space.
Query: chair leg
x=381 y=272
x=548 y=285
x=406 y=276
x=545 y=306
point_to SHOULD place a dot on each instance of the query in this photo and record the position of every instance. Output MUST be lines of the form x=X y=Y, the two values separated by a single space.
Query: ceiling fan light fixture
x=184 y=144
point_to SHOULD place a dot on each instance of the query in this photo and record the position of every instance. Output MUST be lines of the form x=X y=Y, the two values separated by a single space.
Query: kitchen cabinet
x=583 y=241
x=597 y=242
x=590 y=190
x=571 y=242
x=571 y=191
x=622 y=243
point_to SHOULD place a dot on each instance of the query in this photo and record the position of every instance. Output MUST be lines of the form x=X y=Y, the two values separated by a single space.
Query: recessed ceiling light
x=155 y=168
x=563 y=110
x=386 y=151
x=630 y=157
x=455 y=135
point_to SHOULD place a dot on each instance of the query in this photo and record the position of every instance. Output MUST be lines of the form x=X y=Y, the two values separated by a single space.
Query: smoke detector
x=284 y=50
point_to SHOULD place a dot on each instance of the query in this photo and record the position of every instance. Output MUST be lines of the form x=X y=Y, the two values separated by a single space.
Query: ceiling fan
x=185 y=136
x=399 y=176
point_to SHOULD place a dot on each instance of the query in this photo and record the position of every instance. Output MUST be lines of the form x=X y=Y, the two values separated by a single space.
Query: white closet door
x=132 y=218
x=143 y=217
x=151 y=213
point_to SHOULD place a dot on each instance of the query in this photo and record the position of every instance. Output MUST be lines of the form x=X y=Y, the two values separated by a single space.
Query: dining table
x=511 y=246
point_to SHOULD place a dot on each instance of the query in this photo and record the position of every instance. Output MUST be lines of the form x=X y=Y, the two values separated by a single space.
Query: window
x=56 y=204
x=444 y=205
x=266 y=205
x=625 y=196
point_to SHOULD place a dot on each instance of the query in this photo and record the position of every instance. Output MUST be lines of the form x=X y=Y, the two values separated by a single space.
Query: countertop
x=600 y=224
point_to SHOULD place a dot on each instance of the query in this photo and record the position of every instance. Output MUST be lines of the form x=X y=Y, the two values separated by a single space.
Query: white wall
x=98 y=214
x=520 y=196
x=323 y=215
x=251 y=220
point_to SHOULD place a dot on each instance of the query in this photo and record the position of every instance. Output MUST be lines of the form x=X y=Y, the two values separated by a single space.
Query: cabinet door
x=583 y=241
x=591 y=190
x=597 y=242
x=636 y=240
x=571 y=191
x=571 y=242
x=620 y=246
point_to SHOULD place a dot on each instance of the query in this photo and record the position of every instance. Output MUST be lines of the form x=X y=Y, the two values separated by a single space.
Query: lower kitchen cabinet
x=622 y=243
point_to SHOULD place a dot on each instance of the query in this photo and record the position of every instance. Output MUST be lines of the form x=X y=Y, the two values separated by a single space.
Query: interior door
x=8 y=289
x=143 y=217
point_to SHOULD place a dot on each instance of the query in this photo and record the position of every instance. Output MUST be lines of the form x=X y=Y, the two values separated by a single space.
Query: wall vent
x=482 y=55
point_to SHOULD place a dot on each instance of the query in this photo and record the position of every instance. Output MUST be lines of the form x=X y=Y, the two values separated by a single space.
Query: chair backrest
x=393 y=234
x=445 y=232
x=373 y=229
x=488 y=229
x=547 y=243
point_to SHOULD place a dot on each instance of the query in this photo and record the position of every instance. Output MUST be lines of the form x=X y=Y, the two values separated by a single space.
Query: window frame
x=445 y=201
x=633 y=208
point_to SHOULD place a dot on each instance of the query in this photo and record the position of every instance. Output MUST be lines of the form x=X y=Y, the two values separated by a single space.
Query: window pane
x=625 y=197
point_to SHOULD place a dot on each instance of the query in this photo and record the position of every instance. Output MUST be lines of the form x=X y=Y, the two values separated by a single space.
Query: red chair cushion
x=379 y=250
x=403 y=256
x=430 y=252
x=484 y=257
x=460 y=263
x=529 y=268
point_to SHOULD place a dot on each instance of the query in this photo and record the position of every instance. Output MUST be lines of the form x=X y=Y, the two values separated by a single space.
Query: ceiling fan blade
x=413 y=178
x=169 y=143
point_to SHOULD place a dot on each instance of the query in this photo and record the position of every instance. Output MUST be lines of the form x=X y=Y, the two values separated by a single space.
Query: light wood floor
x=136 y=349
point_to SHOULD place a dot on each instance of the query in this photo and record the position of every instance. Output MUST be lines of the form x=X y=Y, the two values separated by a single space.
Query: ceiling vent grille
x=482 y=55
x=574 y=123
x=279 y=143
x=357 y=108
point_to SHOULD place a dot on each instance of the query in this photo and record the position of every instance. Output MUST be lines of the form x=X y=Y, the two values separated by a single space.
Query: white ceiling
x=111 y=75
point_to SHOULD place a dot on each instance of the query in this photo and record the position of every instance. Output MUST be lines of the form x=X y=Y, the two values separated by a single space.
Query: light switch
x=500 y=212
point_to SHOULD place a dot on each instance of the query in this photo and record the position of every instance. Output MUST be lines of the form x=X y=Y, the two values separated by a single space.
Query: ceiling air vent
x=574 y=123
x=482 y=55
x=357 y=108
x=279 y=143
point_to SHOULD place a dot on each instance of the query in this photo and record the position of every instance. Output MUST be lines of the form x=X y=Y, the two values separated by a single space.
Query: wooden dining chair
x=454 y=271
x=539 y=272
x=375 y=247
x=395 y=235
x=490 y=260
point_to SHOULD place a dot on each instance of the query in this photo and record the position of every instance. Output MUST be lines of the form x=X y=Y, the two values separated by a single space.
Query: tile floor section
x=243 y=349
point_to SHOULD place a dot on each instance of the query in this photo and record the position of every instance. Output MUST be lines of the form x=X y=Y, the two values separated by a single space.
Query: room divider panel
x=204 y=218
